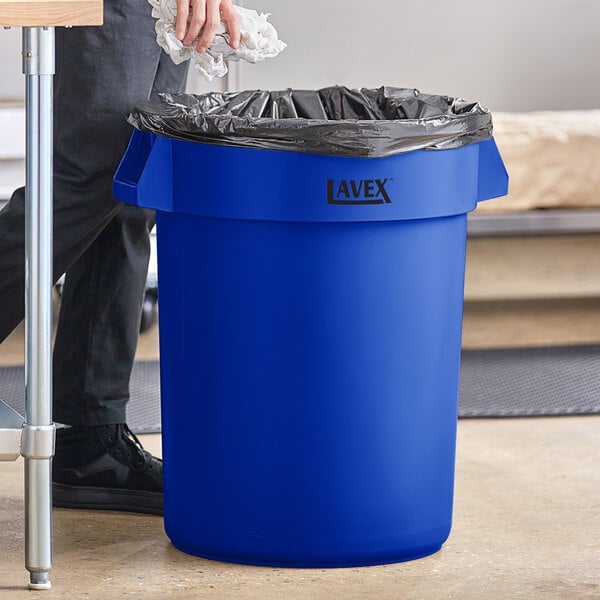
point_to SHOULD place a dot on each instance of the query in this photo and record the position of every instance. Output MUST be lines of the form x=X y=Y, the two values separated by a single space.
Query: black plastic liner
x=334 y=121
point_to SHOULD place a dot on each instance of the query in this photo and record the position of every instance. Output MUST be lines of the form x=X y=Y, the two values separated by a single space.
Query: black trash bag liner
x=335 y=121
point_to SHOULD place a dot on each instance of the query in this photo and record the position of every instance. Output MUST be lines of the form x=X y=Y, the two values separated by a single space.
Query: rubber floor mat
x=143 y=409
x=523 y=382
x=527 y=382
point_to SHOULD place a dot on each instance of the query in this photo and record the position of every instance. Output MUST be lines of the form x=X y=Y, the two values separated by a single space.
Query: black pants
x=101 y=244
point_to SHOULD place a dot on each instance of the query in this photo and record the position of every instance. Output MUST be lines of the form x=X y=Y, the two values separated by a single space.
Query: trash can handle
x=141 y=173
x=493 y=177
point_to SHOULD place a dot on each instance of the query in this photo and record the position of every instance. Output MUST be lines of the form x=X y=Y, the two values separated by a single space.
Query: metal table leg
x=37 y=441
x=38 y=18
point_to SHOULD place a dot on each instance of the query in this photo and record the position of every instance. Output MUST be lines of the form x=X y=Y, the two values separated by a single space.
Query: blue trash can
x=310 y=331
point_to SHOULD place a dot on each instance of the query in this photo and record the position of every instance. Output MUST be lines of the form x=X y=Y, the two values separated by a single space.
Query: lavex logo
x=363 y=191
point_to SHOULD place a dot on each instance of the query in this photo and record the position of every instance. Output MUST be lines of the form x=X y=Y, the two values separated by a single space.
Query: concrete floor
x=527 y=526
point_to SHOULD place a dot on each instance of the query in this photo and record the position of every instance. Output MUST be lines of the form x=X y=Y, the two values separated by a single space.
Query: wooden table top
x=48 y=13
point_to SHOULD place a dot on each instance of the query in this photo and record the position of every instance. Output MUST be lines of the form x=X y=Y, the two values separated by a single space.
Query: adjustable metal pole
x=37 y=444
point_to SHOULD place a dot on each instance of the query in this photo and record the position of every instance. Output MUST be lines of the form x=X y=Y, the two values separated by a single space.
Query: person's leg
x=101 y=74
x=104 y=289
x=99 y=322
x=98 y=463
x=77 y=221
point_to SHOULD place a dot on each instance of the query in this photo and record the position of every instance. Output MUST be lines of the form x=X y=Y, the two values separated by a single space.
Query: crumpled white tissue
x=259 y=40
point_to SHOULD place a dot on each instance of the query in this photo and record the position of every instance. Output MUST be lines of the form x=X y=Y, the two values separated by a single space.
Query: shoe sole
x=95 y=498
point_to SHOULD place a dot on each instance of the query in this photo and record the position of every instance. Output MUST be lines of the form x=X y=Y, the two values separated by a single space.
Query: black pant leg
x=101 y=74
x=101 y=305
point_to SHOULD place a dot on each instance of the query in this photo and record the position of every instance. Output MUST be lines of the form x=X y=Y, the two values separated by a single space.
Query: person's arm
x=194 y=15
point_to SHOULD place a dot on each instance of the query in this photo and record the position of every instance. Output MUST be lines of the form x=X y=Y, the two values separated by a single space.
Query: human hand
x=194 y=16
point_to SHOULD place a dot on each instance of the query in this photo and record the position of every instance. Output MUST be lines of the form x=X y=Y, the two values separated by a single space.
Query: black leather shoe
x=105 y=468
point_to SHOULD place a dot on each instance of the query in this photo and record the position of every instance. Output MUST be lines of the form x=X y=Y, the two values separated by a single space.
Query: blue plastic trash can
x=310 y=332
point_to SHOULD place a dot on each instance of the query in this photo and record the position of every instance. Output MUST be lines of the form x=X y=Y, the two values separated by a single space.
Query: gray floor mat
x=143 y=410
x=528 y=382
x=520 y=382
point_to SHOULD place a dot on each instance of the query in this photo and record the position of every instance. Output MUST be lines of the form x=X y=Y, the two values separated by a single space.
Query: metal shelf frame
x=534 y=222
